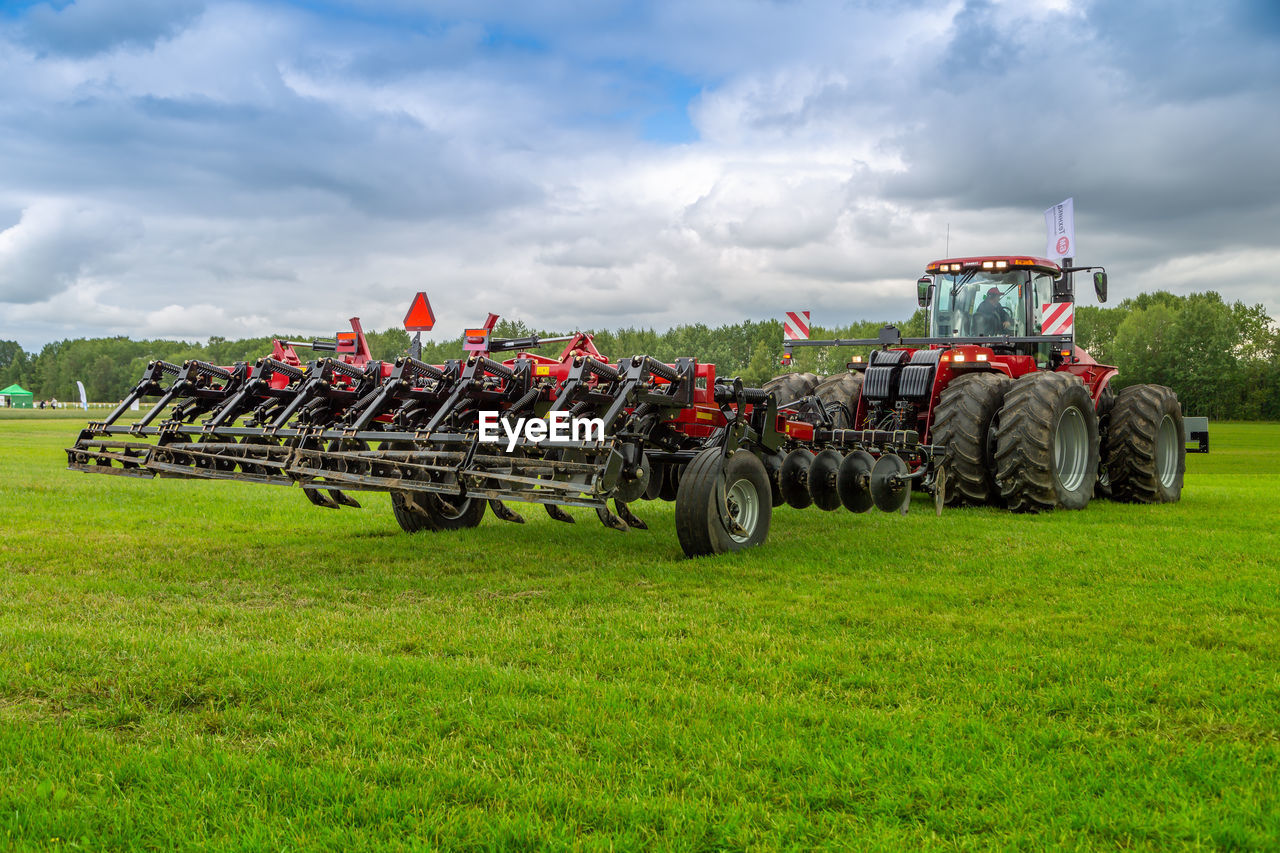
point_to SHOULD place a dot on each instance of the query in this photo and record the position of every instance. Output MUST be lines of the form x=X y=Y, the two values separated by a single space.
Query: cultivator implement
x=449 y=441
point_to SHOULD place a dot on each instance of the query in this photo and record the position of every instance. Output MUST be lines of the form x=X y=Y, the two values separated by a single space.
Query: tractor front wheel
x=1047 y=444
x=1146 y=455
x=723 y=504
x=963 y=423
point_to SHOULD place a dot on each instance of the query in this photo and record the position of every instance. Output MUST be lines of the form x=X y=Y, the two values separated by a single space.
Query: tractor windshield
x=980 y=303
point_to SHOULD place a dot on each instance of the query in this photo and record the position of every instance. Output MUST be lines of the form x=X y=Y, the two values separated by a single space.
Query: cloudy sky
x=195 y=167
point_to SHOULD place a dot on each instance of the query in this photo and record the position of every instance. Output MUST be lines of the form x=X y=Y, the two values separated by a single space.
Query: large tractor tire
x=723 y=504
x=1106 y=402
x=963 y=423
x=1047 y=444
x=790 y=387
x=416 y=511
x=1145 y=455
x=844 y=389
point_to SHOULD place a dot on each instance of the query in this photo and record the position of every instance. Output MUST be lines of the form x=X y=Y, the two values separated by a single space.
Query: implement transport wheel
x=1047 y=443
x=416 y=511
x=790 y=387
x=963 y=423
x=843 y=389
x=1145 y=454
x=723 y=504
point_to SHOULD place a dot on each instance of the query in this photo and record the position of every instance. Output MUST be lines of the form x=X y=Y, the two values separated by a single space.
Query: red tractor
x=1021 y=416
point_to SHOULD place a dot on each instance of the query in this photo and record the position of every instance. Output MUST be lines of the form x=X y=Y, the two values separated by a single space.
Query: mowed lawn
x=224 y=666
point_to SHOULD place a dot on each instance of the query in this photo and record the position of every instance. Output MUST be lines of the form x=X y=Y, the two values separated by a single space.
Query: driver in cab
x=990 y=317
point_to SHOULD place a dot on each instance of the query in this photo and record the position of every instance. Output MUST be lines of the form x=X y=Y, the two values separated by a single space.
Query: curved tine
x=343 y=498
x=319 y=499
x=505 y=512
x=608 y=519
x=629 y=517
x=559 y=514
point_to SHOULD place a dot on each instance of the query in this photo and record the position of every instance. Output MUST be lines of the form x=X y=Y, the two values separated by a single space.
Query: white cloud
x=55 y=243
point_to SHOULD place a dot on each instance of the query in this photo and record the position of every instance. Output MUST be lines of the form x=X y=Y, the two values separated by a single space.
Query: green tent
x=17 y=397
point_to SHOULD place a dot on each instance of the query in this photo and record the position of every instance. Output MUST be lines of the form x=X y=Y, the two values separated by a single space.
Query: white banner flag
x=84 y=401
x=1060 y=222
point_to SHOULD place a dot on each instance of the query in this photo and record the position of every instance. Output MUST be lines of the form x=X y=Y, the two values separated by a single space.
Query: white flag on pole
x=1060 y=222
x=84 y=401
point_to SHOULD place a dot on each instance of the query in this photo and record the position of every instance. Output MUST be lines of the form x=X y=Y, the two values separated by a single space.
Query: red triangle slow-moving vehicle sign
x=420 y=317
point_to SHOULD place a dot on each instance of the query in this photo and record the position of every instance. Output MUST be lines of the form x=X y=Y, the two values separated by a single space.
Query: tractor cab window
x=979 y=304
x=1042 y=285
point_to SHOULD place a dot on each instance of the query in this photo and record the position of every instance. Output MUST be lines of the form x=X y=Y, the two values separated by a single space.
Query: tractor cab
x=997 y=297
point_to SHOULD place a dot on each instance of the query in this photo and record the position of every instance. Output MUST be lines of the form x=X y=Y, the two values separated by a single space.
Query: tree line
x=1223 y=360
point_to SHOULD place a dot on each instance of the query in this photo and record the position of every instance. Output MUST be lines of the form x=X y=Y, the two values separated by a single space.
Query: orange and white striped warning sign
x=1059 y=318
x=795 y=327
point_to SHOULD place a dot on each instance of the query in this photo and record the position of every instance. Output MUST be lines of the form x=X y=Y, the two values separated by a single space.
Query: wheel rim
x=1071 y=449
x=744 y=508
x=1167 y=452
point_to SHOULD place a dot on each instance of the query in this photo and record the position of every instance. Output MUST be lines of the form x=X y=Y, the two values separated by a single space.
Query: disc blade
x=888 y=490
x=793 y=480
x=632 y=485
x=773 y=467
x=670 y=486
x=854 y=481
x=823 y=476
x=940 y=490
x=657 y=472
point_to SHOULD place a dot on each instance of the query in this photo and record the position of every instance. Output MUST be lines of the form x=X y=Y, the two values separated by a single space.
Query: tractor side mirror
x=924 y=291
x=1100 y=285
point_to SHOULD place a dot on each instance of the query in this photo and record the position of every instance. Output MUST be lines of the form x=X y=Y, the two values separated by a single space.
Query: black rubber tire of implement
x=963 y=423
x=424 y=511
x=1133 y=455
x=845 y=389
x=698 y=524
x=1035 y=408
x=790 y=387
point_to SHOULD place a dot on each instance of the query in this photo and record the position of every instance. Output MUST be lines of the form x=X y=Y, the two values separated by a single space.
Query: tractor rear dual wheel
x=1106 y=402
x=723 y=504
x=1145 y=455
x=964 y=424
x=843 y=389
x=1047 y=443
x=790 y=387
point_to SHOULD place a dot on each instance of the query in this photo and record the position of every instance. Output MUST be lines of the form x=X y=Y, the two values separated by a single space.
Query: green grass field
x=217 y=665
